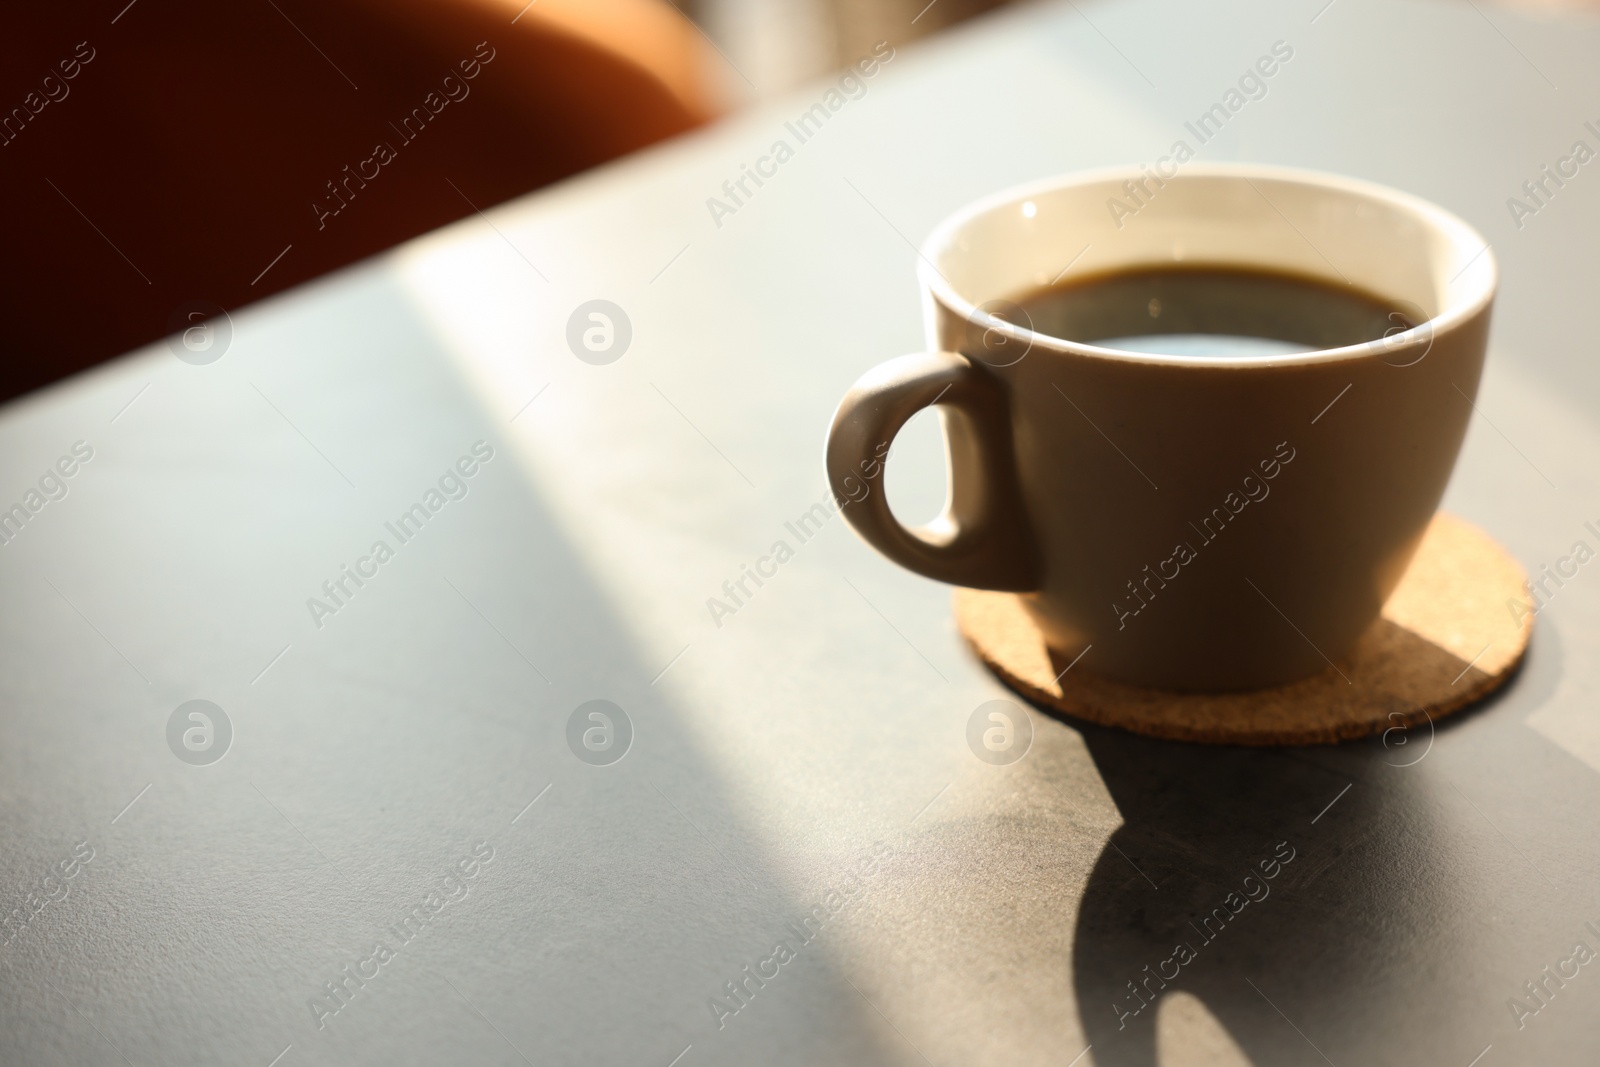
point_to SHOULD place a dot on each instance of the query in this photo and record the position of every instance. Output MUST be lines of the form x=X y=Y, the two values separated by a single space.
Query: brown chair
x=164 y=152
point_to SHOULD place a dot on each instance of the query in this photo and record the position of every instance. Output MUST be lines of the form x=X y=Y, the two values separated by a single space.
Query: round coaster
x=1447 y=638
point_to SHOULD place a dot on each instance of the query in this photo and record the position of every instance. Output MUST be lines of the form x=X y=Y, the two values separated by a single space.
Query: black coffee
x=1209 y=311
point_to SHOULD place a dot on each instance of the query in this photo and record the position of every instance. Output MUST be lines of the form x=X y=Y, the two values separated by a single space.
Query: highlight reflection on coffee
x=1222 y=312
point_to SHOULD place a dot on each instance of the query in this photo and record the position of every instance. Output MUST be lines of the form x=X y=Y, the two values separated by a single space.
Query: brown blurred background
x=163 y=152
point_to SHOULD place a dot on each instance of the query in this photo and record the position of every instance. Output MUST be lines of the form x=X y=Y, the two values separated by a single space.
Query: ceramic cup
x=1188 y=522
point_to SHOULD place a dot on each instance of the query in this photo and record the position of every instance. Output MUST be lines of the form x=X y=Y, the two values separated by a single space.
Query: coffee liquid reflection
x=1220 y=312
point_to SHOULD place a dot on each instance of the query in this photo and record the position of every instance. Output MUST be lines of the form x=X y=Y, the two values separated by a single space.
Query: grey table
x=400 y=856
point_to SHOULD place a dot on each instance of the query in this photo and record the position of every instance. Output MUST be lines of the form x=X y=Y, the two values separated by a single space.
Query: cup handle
x=983 y=539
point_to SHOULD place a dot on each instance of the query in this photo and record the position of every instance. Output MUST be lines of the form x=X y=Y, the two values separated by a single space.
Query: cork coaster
x=1445 y=640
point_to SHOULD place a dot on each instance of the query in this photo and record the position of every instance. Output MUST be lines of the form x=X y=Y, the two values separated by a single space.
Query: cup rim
x=941 y=238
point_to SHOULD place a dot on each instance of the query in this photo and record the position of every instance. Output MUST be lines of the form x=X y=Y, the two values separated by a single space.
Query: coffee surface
x=1222 y=312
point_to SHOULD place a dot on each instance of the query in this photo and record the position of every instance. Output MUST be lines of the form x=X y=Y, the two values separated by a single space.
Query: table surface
x=807 y=751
